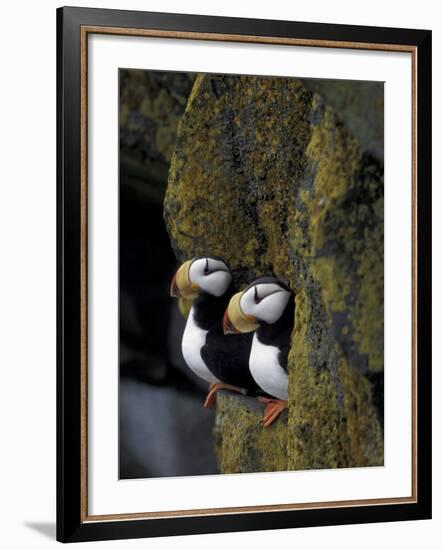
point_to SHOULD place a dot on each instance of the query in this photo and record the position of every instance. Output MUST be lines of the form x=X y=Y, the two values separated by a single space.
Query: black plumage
x=226 y=356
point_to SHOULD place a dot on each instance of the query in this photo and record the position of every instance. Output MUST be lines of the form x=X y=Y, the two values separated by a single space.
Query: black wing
x=227 y=357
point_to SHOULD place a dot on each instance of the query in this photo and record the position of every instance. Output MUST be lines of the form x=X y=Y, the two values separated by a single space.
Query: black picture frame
x=71 y=525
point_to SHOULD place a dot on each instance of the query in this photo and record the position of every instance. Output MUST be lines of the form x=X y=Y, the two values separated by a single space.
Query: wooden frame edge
x=85 y=30
x=84 y=274
x=275 y=40
x=201 y=512
x=414 y=301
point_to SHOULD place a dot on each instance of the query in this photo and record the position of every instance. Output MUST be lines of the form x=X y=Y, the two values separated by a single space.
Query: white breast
x=194 y=338
x=266 y=370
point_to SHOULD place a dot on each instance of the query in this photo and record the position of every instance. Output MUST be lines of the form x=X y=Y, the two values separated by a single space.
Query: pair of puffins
x=218 y=344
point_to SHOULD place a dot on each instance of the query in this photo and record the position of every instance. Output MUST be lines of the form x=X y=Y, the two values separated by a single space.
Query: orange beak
x=174 y=291
x=228 y=327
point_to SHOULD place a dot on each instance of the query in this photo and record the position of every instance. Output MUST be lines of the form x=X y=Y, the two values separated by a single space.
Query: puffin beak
x=234 y=320
x=228 y=327
x=174 y=290
x=181 y=285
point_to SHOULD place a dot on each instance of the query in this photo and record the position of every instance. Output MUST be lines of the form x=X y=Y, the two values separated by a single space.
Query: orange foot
x=210 y=398
x=273 y=409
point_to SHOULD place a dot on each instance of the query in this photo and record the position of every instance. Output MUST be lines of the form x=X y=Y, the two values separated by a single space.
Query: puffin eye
x=206 y=271
x=256 y=296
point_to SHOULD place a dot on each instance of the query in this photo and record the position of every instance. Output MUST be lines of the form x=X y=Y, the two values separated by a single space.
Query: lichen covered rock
x=151 y=106
x=360 y=105
x=242 y=445
x=266 y=175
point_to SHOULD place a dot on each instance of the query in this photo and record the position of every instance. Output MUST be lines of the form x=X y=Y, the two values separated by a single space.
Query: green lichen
x=242 y=445
x=314 y=421
x=265 y=175
x=346 y=228
x=360 y=105
x=151 y=106
x=361 y=420
x=229 y=170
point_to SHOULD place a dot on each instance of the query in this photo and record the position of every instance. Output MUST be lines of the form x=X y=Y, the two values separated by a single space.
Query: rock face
x=248 y=447
x=151 y=106
x=266 y=175
x=360 y=106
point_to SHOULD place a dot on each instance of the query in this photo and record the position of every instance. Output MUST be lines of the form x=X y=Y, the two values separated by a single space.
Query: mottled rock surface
x=151 y=106
x=241 y=443
x=361 y=107
x=267 y=175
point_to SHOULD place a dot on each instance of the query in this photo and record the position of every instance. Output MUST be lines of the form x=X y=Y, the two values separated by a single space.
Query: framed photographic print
x=244 y=299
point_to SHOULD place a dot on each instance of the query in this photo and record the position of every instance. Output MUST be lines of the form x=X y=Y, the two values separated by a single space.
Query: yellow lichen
x=314 y=426
x=242 y=444
x=360 y=420
x=266 y=176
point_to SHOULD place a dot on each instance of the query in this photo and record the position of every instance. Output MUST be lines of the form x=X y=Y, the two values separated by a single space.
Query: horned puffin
x=266 y=307
x=221 y=360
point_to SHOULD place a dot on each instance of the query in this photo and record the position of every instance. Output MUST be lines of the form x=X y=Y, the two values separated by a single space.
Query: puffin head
x=263 y=301
x=201 y=275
